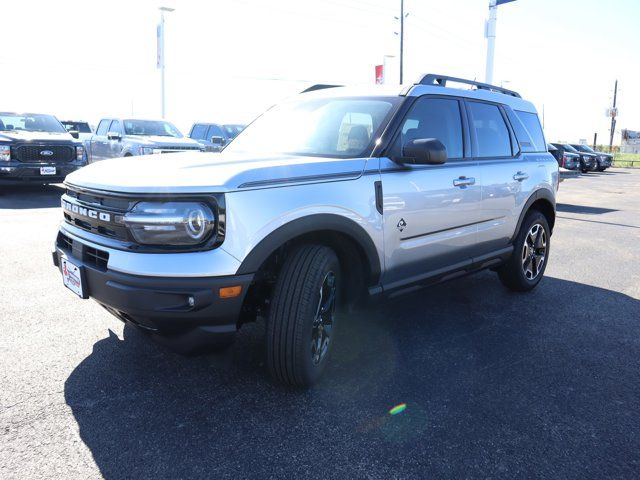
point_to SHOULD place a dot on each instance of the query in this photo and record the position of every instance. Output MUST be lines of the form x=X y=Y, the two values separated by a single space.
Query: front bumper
x=186 y=313
x=18 y=173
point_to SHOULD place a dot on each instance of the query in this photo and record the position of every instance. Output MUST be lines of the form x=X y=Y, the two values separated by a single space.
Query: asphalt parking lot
x=497 y=384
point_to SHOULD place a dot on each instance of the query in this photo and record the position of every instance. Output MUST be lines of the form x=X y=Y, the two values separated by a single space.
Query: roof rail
x=441 y=80
x=319 y=86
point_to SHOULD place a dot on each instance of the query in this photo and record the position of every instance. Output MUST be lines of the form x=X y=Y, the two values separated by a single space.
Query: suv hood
x=196 y=172
x=26 y=136
x=158 y=140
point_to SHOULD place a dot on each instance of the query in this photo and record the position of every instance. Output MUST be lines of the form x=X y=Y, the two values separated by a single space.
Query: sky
x=228 y=61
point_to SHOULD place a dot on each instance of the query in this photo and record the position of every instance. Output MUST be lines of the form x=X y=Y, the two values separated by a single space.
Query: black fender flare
x=309 y=224
x=540 y=194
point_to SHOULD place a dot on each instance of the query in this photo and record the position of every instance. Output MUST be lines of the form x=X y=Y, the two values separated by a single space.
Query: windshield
x=151 y=127
x=81 y=127
x=569 y=148
x=30 y=123
x=233 y=130
x=330 y=127
x=584 y=148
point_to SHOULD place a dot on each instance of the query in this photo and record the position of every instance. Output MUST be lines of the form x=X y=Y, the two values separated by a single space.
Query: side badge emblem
x=402 y=224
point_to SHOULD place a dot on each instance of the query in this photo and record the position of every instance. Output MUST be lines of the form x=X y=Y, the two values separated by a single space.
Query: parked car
x=376 y=196
x=565 y=159
x=214 y=136
x=604 y=160
x=36 y=148
x=587 y=160
x=116 y=137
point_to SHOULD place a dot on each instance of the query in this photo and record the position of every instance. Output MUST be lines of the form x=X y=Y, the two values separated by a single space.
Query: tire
x=309 y=277
x=524 y=270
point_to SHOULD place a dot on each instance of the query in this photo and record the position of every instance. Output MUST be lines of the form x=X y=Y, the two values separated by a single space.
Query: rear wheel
x=527 y=264
x=301 y=321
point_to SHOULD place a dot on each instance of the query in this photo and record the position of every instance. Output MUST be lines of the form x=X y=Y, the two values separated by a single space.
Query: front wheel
x=301 y=320
x=527 y=264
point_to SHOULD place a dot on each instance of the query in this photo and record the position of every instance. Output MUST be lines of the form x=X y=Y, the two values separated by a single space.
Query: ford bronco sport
x=330 y=197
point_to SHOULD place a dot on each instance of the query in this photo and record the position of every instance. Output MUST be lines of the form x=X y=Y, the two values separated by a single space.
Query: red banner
x=379 y=74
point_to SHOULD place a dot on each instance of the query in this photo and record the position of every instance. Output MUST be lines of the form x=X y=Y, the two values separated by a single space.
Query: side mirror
x=74 y=133
x=217 y=140
x=424 y=151
x=114 y=136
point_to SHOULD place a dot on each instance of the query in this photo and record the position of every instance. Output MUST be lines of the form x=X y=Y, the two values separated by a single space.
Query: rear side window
x=199 y=131
x=492 y=135
x=532 y=124
x=215 y=131
x=115 y=127
x=103 y=127
x=434 y=118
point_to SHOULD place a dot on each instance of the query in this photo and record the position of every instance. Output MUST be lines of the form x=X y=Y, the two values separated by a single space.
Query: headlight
x=170 y=223
x=79 y=153
x=146 y=150
x=5 y=153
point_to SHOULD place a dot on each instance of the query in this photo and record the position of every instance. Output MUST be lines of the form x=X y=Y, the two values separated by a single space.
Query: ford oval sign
x=46 y=153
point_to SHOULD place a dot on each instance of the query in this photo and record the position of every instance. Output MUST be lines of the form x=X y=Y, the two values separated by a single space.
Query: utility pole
x=160 y=63
x=490 y=35
x=613 y=116
x=401 y=39
x=595 y=140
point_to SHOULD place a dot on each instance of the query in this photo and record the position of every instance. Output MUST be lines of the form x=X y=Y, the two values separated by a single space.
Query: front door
x=430 y=212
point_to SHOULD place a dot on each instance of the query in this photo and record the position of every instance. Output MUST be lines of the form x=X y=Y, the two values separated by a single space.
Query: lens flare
x=398 y=409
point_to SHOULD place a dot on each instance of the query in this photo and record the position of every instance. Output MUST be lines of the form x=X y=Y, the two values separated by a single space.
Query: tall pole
x=161 y=59
x=401 y=38
x=613 y=116
x=161 y=54
x=490 y=33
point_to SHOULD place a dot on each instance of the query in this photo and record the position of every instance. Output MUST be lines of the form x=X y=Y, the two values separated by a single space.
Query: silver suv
x=333 y=196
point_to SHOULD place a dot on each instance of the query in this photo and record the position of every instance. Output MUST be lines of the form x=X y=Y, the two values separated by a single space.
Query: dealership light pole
x=490 y=35
x=160 y=61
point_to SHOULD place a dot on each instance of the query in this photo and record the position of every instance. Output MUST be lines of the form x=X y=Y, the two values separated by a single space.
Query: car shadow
x=30 y=196
x=493 y=382
x=568 y=208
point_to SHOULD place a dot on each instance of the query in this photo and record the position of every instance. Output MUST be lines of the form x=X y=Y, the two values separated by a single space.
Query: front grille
x=44 y=153
x=92 y=257
x=112 y=206
x=96 y=258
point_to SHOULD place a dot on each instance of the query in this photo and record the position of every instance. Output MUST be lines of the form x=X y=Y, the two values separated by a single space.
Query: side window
x=199 y=131
x=103 y=127
x=433 y=118
x=215 y=131
x=115 y=127
x=532 y=124
x=492 y=134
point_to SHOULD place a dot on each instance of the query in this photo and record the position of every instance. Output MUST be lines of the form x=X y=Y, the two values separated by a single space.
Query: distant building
x=630 y=141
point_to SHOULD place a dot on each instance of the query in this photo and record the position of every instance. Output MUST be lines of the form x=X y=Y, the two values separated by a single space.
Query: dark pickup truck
x=36 y=148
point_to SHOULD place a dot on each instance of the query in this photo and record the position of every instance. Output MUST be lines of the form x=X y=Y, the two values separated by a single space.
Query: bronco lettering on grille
x=86 y=212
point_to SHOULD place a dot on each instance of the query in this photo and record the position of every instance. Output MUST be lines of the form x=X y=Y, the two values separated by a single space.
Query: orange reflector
x=230 y=292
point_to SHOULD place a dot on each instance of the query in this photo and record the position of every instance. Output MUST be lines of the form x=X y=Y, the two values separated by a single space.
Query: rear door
x=216 y=131
x=505 y=172
x=114 y=148
x=99 y=141
x=430 y=211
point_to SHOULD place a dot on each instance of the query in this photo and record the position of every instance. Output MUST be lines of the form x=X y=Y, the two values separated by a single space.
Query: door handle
x=464 y=181
x=520 y=176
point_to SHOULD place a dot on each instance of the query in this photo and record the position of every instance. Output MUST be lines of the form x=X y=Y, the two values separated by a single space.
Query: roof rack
x=319 y=86
x=441 y=80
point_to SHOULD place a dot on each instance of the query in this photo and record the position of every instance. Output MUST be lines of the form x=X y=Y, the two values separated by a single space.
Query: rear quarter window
x=531 y=123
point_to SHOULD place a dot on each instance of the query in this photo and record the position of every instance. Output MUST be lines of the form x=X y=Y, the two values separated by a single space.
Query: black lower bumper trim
x=172 y=307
